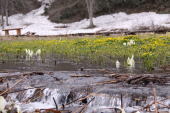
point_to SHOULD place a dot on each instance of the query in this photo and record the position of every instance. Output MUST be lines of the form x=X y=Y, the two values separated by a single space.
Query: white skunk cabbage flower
x=117 y=64
x=3 y=103
x=29 y=52
x=38 y=52
x=131 y=42
x=131 y=62
x=125 y=44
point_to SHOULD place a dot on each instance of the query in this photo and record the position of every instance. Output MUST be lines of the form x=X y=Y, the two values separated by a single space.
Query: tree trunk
x=90 y=7
x=6 y=12
x=2 y=14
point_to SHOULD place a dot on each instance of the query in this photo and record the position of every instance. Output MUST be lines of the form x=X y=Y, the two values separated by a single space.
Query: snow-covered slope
x=36 y=22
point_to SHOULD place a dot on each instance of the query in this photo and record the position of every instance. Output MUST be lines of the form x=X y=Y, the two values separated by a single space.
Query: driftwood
x=22 y=74
x=52 y=111
x=80 y=75
x=20 y=90
x=105 y=82
x=155 y=100
x=38 y=94
x=145 y=80
x=7 y=90
x=83 y=108
x=135 y=79
x=4 y=78
x=118 y=78
x=147 y=107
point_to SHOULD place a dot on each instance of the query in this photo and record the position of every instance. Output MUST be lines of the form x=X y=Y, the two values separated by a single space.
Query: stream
x=61 y=83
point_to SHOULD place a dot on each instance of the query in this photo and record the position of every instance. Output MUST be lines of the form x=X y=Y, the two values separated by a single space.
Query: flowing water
x=63 y=88
x=59 y=86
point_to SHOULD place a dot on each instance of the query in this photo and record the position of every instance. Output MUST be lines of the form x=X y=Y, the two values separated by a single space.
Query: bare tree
x=90 y=8
x=2 y=13
x=6 y=11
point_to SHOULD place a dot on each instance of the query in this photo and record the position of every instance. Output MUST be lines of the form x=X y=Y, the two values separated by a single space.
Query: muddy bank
x=37 y=90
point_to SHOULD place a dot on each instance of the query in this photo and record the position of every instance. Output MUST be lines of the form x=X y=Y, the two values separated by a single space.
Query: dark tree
x=90 y=9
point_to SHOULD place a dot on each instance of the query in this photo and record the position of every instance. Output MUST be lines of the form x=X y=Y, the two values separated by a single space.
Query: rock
x=3 y=103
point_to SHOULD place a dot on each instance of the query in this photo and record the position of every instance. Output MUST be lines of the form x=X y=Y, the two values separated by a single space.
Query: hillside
x=66 y=11
x=60 y=17
x=75 y=10
x=22 y=6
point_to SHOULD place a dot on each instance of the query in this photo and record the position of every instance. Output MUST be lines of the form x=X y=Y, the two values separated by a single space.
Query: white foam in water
x=47 y=100
x=101 y=103
x=50 y=94
x=35 y=105
x=104 y=102
x=29 y=93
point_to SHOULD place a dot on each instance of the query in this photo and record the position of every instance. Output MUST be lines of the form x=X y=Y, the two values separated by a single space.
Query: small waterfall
x=106 y=103
x=45 y=99
x=59 y=96
x=102 y=103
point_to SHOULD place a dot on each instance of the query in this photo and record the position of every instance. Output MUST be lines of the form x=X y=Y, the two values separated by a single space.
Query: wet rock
x=84 y=101
x=71 y=97
x=3 y=103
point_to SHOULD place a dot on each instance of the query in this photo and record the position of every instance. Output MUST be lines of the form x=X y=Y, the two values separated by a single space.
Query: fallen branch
x=106 y=82
x=148 y=106
x=7 y=90
x=80 y=76
x=16 y=91
x=155 y=100
x=22 y=74
x=83 y=108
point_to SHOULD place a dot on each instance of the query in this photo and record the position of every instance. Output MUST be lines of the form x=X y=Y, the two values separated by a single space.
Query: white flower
x=125 y=44
x=30 y=54
x=38 y=52
x=131 y=62
x=117 y=64
x=131 y=42
x=128 y=43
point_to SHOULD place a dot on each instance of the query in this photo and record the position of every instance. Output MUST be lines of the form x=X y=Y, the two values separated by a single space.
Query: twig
x=81 y=110
x=155 y=100
x=164 y=105
x=6 y=91
x=36 y=93
x=121 y=97
x=105 y=82
x=55 y=103
x=25 y=89
x=147 y=106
